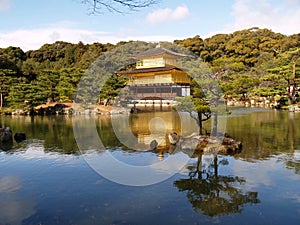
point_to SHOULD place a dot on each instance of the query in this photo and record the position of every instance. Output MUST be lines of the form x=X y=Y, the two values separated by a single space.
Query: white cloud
x=282 y=17
x=9 y=184
x=4 y=5
x=168 y=15
x=14 y=209
x=33 y=39
x=147 y=38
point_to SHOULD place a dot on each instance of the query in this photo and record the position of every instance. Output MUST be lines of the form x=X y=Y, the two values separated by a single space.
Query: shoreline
x=68 y=108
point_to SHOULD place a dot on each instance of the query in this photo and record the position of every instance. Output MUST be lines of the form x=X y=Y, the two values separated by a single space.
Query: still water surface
x=47 y=180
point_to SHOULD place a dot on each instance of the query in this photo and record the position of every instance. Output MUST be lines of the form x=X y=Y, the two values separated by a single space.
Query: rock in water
x=173 y=138
x=19 y=137
x=153 y=145
x=5 y=135
x=206 y=144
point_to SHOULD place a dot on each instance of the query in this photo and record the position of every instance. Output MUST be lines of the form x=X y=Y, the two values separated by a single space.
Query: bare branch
x=119 y=6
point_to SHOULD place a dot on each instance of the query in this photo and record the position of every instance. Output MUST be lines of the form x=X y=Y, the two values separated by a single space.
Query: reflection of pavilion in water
x=156 y=126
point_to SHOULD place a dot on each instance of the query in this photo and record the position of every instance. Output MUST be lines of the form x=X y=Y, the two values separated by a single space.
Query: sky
x=31 y=23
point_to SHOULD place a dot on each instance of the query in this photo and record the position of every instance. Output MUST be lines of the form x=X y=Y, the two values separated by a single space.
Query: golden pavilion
x=157 y=77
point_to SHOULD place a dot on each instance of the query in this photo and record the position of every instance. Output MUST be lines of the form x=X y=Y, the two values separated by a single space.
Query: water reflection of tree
x=57 y=133
x=291 y=161
x=214 y=194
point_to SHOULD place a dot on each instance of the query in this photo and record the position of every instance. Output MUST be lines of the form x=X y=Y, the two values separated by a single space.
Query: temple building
x=157 y=77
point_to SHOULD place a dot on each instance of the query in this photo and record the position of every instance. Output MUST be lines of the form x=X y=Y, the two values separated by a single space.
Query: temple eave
x=150 y=70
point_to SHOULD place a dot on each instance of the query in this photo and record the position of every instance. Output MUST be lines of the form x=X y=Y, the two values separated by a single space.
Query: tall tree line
x=250 y=62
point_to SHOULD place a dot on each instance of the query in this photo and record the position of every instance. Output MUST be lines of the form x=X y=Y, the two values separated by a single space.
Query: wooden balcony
x=164 y=96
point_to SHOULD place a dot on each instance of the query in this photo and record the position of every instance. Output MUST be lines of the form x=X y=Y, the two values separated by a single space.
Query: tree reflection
x=214 y=194
x=291 y=160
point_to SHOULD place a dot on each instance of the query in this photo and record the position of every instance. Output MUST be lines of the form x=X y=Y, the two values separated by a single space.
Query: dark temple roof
x=158 y=51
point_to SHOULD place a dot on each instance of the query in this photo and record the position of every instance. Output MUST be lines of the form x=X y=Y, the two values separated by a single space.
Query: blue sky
x=31 y=23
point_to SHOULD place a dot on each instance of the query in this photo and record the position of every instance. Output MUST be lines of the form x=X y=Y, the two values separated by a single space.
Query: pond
x=100 y=170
